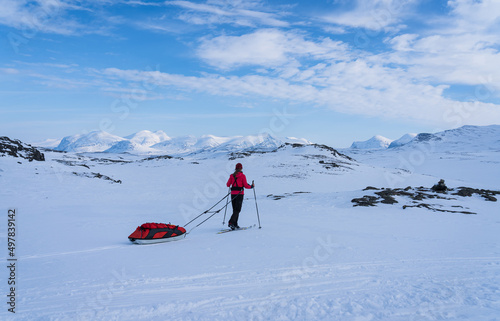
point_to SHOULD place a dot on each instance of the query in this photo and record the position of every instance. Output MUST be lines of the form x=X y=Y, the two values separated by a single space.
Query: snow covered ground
x=316 y=257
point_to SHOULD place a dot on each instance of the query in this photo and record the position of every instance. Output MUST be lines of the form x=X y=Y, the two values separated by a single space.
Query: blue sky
x=331 y=71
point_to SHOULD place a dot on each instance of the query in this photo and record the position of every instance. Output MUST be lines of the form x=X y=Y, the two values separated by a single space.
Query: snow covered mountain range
x=147 y=142
x=465 y=138
x=453 y=138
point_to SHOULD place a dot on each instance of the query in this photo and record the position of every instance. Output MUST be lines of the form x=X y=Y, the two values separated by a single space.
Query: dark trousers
x=237 y=202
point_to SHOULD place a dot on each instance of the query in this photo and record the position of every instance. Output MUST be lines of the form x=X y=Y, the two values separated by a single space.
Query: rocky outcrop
x=98 y=175
x=487 y=194
x=16 y=148
x=278 y=197
x=416 y=196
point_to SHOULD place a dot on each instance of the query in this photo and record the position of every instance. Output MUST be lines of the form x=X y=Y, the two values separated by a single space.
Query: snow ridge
x=466 y=138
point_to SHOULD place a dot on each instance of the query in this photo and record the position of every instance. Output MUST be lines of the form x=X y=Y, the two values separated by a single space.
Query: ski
x=238 y=229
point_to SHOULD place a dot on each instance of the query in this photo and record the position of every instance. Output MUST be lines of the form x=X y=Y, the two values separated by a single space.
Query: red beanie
x=239 y=166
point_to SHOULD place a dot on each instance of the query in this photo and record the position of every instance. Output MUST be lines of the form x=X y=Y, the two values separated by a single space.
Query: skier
x=238 y=182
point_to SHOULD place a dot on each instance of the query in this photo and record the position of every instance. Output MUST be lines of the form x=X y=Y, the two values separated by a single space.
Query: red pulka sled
x=149 y=233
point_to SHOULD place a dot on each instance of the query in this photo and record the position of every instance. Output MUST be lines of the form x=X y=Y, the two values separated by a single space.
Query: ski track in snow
x=28 y=257
x=410 y=290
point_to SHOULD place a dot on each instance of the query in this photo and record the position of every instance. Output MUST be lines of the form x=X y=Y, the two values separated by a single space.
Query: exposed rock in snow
x=414 y=197
x=16 y=148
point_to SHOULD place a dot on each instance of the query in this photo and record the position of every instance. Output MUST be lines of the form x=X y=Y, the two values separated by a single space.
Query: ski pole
x=256 y=207
x=227 y=202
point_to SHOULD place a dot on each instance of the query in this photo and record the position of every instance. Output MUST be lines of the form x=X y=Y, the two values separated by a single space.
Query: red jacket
x=241 y=181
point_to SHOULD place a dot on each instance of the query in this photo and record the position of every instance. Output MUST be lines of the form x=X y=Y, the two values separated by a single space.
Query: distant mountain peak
x=148 y=138
x=376 y=142
x=405 y=139
x=95 y=141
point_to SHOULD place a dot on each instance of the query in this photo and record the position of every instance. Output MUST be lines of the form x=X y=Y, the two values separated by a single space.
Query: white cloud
x=361 y=86
x=476 y=15
x=464 y=50
x=142 y=3
x=234 y=12
x=47 y=16
x=403 y=42
x=264 y=47
x=268 y=48
x=372 y=14
x=354 y=87
x=407 y=82
x=9 y=71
